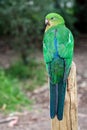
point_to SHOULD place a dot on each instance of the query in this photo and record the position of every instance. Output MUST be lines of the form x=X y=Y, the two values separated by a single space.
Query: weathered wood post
x=70 y=121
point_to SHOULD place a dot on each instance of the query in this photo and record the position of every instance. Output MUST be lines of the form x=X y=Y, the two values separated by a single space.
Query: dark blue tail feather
x=52 y=100
x=57 y=98
x=61 y=99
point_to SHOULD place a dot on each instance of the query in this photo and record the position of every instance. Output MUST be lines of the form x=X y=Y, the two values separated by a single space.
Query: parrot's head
x=53 y=19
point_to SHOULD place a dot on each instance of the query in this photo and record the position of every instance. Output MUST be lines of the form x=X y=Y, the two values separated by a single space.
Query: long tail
x=61 y=99
x=57 y=98
x=53 y=98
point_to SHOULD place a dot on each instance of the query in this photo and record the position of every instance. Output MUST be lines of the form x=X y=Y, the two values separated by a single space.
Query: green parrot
x=58 y=46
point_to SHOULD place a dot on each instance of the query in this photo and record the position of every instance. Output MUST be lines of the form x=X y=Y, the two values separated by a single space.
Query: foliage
x=33 y=74
x=10 y=94
x=18 y=78
x=23 y=20
x=22 y=17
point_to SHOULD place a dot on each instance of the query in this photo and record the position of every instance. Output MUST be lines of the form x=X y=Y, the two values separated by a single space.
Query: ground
x=38 y=118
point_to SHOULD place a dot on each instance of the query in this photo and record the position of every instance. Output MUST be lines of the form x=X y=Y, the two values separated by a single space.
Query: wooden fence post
x=70 y=120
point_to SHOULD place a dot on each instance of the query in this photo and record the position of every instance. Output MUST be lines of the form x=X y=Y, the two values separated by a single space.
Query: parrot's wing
x=48 y=46
x=65 y=48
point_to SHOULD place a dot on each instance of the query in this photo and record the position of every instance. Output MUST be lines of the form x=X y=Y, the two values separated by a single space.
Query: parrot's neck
x=48 y=27
x=51 y=25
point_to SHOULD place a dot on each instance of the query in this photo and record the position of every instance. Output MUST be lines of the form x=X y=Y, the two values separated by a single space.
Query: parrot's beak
x=47 y=22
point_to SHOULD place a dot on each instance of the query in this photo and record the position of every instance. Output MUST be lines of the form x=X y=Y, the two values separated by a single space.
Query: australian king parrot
x=58 y=43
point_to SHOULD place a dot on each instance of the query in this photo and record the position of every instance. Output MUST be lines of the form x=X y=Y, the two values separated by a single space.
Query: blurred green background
x=21 y=33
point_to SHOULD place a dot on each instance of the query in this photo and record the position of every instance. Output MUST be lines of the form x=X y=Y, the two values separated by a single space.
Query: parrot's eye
x=52 y=18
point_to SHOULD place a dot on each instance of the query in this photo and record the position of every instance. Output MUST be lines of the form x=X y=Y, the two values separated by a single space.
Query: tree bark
x=70 y=120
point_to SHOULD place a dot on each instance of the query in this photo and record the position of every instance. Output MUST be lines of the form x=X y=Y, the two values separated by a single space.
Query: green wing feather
x=65 y=47
x=48 y=46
